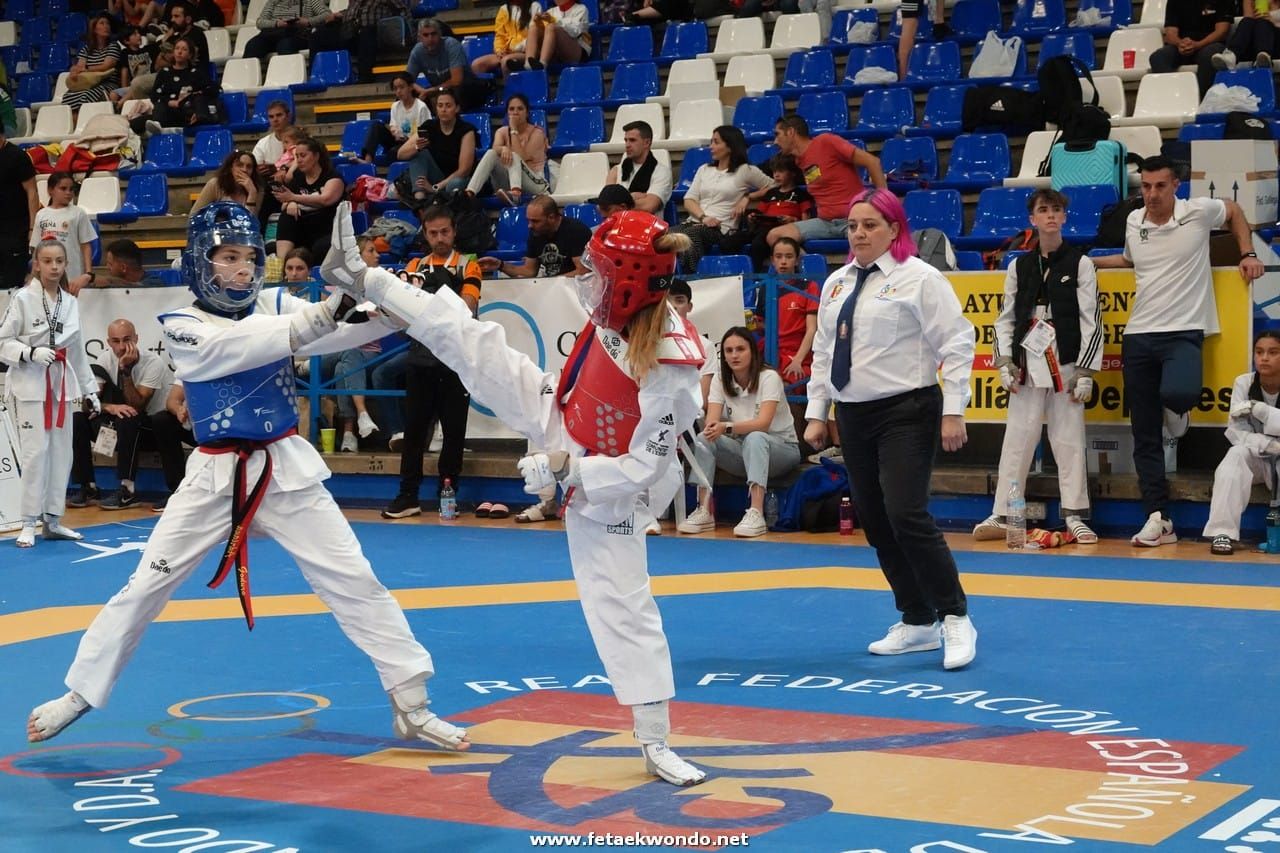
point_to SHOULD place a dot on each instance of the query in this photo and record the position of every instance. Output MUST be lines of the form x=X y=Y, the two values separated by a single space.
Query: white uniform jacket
x=1255 y=434
x=25 y=325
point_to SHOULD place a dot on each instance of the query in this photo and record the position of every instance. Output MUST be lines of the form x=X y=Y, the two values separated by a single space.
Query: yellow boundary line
x=54 y=621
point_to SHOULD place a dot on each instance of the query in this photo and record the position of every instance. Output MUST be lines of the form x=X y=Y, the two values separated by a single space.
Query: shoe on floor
x=403 y=506
x=545 y=511
x=26 y=536
x=660 y=761
x=1224 y=60
x=1082 y=532
x=961 y=641
x=55 y=529
x=698 y=521
x=1222 y=546
x=752 y=524
x=121 y=498
x=349 y=443
x=159 y=505
x=902 y=639
x=365 y=425
x=482 y=511
x=84 y=497
x=396 y=442
x=654 y=529
x=1157 y=531
x=991 y=529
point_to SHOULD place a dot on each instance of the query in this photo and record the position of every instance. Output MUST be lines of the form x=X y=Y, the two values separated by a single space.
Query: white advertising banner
x=10 y=488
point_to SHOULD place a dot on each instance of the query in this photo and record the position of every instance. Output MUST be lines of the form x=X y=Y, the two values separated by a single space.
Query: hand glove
x=343 y=307
x=1242 y=409
x=1079 y=384
x=1260 y=410
x=94 y=404
x=543 y=470
x=342 y=266
x=42 y=355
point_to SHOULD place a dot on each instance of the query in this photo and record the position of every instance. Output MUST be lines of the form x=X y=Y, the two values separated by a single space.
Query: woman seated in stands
x=521 y=148
x=176 y=87
x=560 y=34
x=236 y=180
x=720 y=193
x=510 y=37
x=308 y=202
x=1254 y=40
x=95 y=74
x=442 y=152
x=749 y=432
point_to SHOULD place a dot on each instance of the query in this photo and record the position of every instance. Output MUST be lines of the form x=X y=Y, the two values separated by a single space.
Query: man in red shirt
x=830 y=165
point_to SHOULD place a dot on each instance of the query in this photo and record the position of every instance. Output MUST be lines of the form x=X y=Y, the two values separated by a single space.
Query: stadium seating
x=941 y=209
x=147 y=194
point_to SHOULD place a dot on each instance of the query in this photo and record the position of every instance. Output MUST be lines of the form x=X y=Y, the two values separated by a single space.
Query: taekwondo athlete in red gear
x=610 y=424
x=233 y=351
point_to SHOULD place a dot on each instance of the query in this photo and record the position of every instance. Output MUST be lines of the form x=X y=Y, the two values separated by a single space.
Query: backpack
x=806 y=506
x=1064 y=104
x=1111 y=223
x=933 y=247
x=1025 y=240
x=473 y=228
x=1005 y=107
x=1242 y=125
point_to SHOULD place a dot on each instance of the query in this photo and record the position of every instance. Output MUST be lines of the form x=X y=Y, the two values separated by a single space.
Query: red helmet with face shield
x=625 y=272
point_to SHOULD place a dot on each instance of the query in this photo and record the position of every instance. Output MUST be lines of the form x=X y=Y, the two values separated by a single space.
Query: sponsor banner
x=10 y=484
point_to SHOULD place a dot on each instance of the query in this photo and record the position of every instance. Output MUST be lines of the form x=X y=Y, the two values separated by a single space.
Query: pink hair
x=888 y=206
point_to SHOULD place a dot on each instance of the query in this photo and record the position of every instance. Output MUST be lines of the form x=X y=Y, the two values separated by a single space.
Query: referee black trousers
x=888 y=449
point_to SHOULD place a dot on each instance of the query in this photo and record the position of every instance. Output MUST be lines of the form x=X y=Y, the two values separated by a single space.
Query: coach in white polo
x=1167 y=245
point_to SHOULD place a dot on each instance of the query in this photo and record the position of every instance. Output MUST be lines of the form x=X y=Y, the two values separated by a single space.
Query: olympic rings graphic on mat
x=179 y=709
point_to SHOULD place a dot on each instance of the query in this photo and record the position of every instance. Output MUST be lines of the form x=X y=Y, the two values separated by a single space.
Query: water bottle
x=1015 y=534
x=846 y=517
x=448 y=502
x=771 y=509
x=1273 y=531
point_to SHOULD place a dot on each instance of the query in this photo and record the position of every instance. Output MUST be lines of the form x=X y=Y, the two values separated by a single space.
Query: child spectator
x=407 y=113
x=785 y=202
x=297 y=269
x=797 y=312
x=64 y=221
x=348 y=369
x=510 y=36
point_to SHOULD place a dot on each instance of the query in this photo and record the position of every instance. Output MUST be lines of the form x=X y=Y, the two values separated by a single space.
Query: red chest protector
x=599 y=399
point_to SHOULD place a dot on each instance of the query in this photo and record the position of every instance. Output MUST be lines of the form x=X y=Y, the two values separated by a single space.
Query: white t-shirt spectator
x=268 y=150
x=406 y=120
x=717 y=190
x=71 y=227
x=150 y=372
x=743 y=406
x=1171 y=266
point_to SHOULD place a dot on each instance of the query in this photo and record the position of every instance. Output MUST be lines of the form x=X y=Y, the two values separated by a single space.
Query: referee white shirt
x=908 y=320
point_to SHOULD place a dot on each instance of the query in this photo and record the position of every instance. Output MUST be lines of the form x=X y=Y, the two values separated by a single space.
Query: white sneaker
x=752 y=524
x=698 y=521
x=1175 y=425
x=961 y=640
x=349 y=443
x=1224 y=60
x=154 y=127
x=411 y=719
x=365 y=425
x=55 y=715
x=1084 y=533
x=1262 y=60
x=991 y=529
x=654 y=529
x=903 y=638
x=395 y=442
x=665 y=764
x=26 y=536
x=55 y=529
x=1157 y=531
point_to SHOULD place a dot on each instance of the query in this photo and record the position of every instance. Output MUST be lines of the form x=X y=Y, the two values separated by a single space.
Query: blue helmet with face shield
x=223 y=223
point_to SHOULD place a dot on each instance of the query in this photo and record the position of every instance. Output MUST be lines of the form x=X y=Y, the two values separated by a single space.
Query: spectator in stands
x=175 y=89
x=656 y=11
x=297 y=268
x=521 y=148
x=133 y=385
x=432 y=391
x=268 y=150
x=797 y=311
x=236 y=180
x=1254 y=433
x=444 y=63
x=639 y=171
x=1167 y=245
x=285 y=26
x=720 y=194
x=65 y=221
x=561 y=34
x=204 y=13
x=136 y=59
x=910 y=27
x=124 y=266
x=407 y=113
x=510 y=35
x=749 y=432
x=442 y=151
x=830 y=165
x=172 y=429
x=555 y=246
x=95 y=73
x=182 y=25
x=614 y=198
x=785 y=202
x=308 y=201
x=1194 y=32
x=357 y=32
x=1254 y=39
x=129 y=13
x=680 y=297
x=348 y=370
x=19 y=206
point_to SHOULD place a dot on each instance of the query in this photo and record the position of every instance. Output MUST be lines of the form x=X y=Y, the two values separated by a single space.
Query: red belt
x=59 y=355
x=244 y=505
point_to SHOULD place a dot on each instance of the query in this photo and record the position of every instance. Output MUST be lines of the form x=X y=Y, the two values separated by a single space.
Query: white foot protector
x=55 y=529
x=412 y=719
x=55 y=715
x=27 y=536
x=662 y=762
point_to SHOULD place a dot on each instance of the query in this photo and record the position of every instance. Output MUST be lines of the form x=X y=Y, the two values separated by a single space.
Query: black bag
x=1005 y=107
x=1111 y=223
x=1242 y=125
x=206 y=106
x=1064 y=103
x=1025 y=240
x=473 y=228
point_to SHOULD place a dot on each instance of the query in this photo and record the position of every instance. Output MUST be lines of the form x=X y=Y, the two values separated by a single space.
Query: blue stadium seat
x=210 y=146
x=587 y=214
x=909 y=160
x=33 y=89
x=630 y=44
x=969 y=261
x=934 y=63
x=164 y=152
x=1259 y=81
x=477 y=46
x=886 y=111
x=923 y=34
x=826 y=112
x=349 y=172
x=53 y=57
x=531 y=84
x=404 y=216
x=875 y=56
x=1201 y=130
x=328 y=68
x=1034 y=18
x=756 y=117
x=513 y=234
x=36 y=31
x=377 y=208
x=236 y=105
x=430 y=8
x=971 y=19
x=1077 y=43
x=814 y=267
x=941 y=209
x=72 y=27
x=579 y=86
x=842 y=24
x=1001 y=213
x=633 y=82
x=267 y=97
x=1119 y=11
x=147 y=194
x=19 y=10
x=718 y=265
x=810 y=69
x=578 y=129
x=169 y=277
x=1085 y=210
x=53 y=8
x=694 y=158
x=978 y=160
x=353 y=136
x=484 y=129
x=760 y=153
x=684 y=40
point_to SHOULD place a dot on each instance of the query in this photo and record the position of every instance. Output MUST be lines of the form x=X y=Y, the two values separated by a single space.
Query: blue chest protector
x=257 y=404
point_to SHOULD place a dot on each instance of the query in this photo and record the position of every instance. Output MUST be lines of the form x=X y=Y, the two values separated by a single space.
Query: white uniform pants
x=45 y=457
x=1233 y=480
x=611 y=567
x=309 y=525
x=1028 y=409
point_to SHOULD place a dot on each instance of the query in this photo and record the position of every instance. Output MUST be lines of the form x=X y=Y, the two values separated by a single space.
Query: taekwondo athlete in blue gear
x=232 y=350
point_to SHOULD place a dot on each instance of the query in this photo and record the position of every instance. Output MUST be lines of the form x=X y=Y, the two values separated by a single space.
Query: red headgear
x=625 y=272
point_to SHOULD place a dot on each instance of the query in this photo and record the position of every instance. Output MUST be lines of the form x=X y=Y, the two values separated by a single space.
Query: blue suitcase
x=1104 y=161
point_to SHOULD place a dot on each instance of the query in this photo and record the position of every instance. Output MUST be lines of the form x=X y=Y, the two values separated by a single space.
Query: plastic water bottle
x=1273 y=530
x=846 y=517
x=448 y=502
x=771 y=508
x=1015 y=534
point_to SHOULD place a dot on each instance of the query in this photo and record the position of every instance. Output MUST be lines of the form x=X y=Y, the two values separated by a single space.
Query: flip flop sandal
x=532 y=514
x=485 y=510
x=499 y=511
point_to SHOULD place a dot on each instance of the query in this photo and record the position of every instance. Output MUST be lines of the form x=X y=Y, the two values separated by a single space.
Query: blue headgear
x=219 y=224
